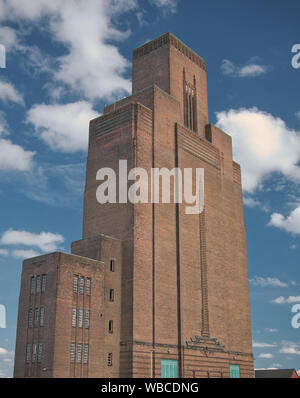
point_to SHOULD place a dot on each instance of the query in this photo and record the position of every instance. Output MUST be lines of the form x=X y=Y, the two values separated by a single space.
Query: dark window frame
x=112 y=266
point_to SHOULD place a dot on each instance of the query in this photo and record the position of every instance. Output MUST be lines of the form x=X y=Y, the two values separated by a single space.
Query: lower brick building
x=149 y=291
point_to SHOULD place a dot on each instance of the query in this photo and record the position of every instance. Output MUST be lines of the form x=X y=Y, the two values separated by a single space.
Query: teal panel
x=235 y=371
x=169 y=369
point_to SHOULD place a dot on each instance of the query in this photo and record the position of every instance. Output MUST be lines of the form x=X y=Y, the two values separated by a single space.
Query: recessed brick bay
x=149 y=291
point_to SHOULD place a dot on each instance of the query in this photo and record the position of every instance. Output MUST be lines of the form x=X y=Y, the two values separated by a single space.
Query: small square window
x=79 y=353
x=109 y=359
x=88 y=286
x=112 y=265
x=81 y=287
x=111 y=295
x=86 y=353
x=36 y=317
x=38 y=284
x=87 y=319
x=72 y=353
x=28 y=353
x=40 y=353
x=42 y=316
x=44 y=282
x=74 y=317
x=32 y=285
x=30 y=318
x=75 y=284
x=80 y=317
x=33 y=353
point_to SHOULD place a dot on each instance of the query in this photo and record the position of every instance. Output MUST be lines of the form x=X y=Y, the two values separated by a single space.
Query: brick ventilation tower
x=149 y=291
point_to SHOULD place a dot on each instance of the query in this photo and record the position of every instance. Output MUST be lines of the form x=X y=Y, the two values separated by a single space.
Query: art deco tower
x=149 y=290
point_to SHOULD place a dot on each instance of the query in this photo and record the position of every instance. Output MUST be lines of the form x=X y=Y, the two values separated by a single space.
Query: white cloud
x=32 y=57
x=24 y=254
x=9 y=93
x=288 y=300
x=276 y=365
x=265 y=356
x=8 y=37
x=3 y=124
x=63 y=127
x=93 y=65
x=45 y=241
x=289 y=347
x=252 y=70
x=6 y=359
x=169 y=5
x=4 y=252
x=3 y=351
x=289 y=350
x=248 y=70
x=268 y=281
x=14 y=157
x=290 y=223
x=271 y=330
x=257 y=344
x=251 y=202
x=262 y=144
x=298 y=114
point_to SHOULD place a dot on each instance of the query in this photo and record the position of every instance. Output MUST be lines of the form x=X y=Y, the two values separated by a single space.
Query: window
x=110 y=326
x=88 y=286
x=44 y=282
x=79 y=353
x=111 y=295
x=80 y=318
x=30 y=318
x=86 y=353
x=74 y=315
x=109 y=359
x=87 y=319
x=36 y=317
x=40 y=353
x=234 y=372
x=38 y=284
x=75 y=284
x=72 y=353
x=190 y=103
x=169 y=369
x=81 y=288
x=112 y=265
x=28 y=353
x=32 y=284
x=33 y=353
x=42 y=316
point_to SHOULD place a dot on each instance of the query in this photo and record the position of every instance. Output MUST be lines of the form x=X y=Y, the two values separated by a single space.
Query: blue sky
x=66 y=60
